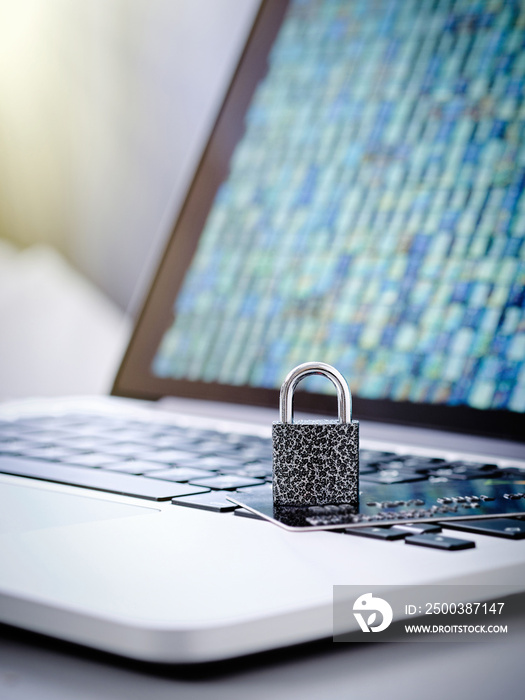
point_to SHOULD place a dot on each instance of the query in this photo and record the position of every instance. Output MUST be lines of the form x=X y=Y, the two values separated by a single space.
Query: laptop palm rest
x=25 y=508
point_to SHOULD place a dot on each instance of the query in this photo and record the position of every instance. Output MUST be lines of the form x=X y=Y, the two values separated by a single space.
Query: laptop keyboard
x=133 y=458
x=192 y=467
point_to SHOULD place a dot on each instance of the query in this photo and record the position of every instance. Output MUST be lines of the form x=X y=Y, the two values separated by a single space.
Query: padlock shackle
x=344 y=397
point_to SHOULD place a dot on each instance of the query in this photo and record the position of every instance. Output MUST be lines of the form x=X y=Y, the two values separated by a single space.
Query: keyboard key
x=127 y=435
x=201 y=434
x=133 y=466
x=88 y=443
x=173 y=442
x=11 y=433
x=258 y=471
x=498 y=527
x=227 y=483
x=125 y=449
x=168 y=456
x=179 y=474
x=226 y=470
x=417 y=528
x=16 y=447
x=211 y=500
x=249 y=453
x=439 y=542
x=216 y=447
x=422 y=465
x=97 y=479
x=92 y=459
x=377 y=533
x=55 y=454
x=238 y=441
x=220 y=463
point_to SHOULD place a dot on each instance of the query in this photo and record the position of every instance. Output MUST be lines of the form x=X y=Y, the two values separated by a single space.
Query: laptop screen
x=365 y=210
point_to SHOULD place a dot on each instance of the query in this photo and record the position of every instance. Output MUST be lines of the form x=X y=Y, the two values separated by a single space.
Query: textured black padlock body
x=316 y=463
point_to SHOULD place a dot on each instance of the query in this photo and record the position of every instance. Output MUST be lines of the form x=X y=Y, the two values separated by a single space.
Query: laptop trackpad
x=26 y=508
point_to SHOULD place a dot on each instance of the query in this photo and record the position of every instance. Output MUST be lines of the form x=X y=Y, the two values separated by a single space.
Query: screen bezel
x=135 y=379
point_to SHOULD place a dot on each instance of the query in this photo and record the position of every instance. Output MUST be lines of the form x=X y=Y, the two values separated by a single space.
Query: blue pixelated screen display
x=373 y=216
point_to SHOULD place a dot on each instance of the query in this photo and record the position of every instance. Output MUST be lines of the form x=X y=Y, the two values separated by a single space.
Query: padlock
x=315 y=462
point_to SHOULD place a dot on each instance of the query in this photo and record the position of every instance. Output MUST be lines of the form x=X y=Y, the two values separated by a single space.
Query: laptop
x=359 y=203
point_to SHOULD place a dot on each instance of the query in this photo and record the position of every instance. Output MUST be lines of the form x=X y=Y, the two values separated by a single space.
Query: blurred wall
x=104 y=106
